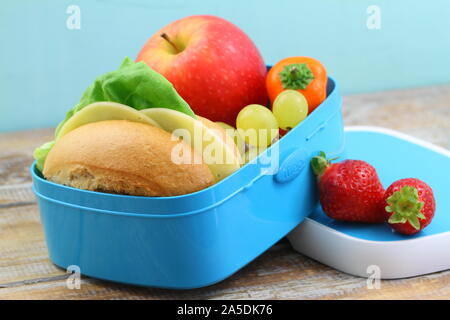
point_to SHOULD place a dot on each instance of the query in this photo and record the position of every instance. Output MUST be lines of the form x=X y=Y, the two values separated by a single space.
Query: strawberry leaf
x=405 y=206
x=319 y=164
x=421 y=216
x=397 y=218
x=414 y=221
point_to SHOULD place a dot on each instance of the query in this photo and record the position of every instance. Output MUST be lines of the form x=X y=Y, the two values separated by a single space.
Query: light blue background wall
x=44 y=67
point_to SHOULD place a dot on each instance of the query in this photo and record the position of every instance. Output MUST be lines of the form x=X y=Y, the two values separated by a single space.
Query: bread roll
x=124 y=157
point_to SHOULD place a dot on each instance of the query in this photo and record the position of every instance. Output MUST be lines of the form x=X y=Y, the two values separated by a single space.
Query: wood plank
x=16 y=195
x=421 y=112
x=16 y=150
x=280 y=273
x=23 y=252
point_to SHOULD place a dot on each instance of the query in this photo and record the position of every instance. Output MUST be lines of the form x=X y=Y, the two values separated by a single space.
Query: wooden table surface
x=27 y=273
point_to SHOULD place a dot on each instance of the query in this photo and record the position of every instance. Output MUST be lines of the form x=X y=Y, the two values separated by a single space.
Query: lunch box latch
x=292 y=166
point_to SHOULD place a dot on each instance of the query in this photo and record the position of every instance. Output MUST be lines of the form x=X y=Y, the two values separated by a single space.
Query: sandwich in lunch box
x=131 y=133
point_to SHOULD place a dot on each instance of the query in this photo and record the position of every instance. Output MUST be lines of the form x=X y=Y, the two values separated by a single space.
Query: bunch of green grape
x=258 y=126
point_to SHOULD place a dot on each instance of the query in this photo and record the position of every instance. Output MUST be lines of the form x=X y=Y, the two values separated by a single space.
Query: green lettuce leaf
x=133 y=84
x=41 y=153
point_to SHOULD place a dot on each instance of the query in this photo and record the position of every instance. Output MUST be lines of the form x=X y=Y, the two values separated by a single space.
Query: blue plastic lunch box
x=197 y=239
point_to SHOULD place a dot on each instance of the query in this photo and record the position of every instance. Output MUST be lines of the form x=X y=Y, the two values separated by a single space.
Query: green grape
x=290 y=108
x=257 y=125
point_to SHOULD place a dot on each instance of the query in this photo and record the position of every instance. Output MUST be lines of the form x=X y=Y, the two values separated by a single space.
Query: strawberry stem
x=405 y=206
x=319 y=164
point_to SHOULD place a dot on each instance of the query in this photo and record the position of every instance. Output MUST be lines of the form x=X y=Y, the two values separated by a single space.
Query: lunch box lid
x=358 y=248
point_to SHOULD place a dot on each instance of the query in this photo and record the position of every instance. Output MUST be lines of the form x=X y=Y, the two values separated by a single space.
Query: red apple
x=212 y=64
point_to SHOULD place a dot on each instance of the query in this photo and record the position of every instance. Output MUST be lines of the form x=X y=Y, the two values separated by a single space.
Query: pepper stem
x=296 y=76
x=405 y=206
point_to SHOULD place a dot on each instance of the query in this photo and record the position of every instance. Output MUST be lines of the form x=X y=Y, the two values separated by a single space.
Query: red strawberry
x=349 y=190
x=409 y=205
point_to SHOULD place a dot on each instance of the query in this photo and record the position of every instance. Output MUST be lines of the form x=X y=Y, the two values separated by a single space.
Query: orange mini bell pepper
x=304 y=74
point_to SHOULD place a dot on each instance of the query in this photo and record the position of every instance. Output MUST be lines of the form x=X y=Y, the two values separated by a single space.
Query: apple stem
x=167 y=38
